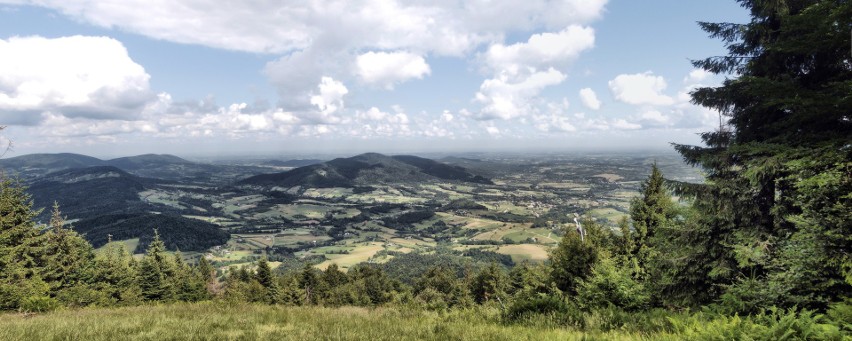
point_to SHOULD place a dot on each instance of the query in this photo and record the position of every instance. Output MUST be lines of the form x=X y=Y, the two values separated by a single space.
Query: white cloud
x=329 y=100
x=504 y=99
x=309 y=38
x=75 y=76
x=492 y=130
x=540 y=50
x=522 y=70
x=696 y=76
x=389 y=68
x=640 y=88
x=443 y=27
x=590 y=99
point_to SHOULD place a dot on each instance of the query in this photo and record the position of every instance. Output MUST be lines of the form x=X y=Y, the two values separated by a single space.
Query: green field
x=221 y=321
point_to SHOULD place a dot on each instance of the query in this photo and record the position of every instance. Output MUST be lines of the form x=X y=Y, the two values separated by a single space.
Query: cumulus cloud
x=544 y=49
x=328 y=100
x=696 y=76
x=77 y=76
x=640 y=88
x=389 y=68
x=504 y=99
x=522 y=70
x=278 y=27
x=590 y=99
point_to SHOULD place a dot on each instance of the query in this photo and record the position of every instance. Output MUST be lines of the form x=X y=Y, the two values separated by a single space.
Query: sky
x=227 y=78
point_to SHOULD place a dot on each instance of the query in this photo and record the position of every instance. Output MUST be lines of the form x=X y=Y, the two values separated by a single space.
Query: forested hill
x=365 y=169
x=177 y=233
x=88 y=192
x=31 y=166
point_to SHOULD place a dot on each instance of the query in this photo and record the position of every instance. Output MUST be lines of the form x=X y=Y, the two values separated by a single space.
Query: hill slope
x=84 y=192
x=178 y=233
x=35 y=165
x=370 y=168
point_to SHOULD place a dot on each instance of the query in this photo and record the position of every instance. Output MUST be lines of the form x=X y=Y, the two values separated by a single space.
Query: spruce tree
x=490 y=284
x=652 y=211
x=772 y=223
x=21 y=247
x=69 y=257
x=572 y=260
x=267 y=279
x=154 y=272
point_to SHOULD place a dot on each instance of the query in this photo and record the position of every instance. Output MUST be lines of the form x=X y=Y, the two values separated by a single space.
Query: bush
x=553 y=308
x=610 y=284
x=39 y=304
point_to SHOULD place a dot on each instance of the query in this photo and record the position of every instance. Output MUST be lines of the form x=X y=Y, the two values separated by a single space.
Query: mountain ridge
x=367 y=168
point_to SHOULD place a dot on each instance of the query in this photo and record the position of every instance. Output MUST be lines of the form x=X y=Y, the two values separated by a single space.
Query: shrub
x=39 y=304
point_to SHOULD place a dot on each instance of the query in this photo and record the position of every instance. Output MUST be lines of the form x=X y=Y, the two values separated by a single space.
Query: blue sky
x=191 y=78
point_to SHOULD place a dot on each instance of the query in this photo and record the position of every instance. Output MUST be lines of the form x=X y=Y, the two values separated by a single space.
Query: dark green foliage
x=406 y=220
x=441 y=170
x=776 y=203
x=572 y=261
x=115 y=275
x=177 y=233
x=73 y=189
x=408 y=267
x=611 y=284
x=552 y=306
x=265 y=277
x=462 y=204
x=156 y=273
x=478 y=255
x=22 y=256
x=68 y=257
x=651 y=212
x=530 y=280
x=370 y=168
x=439 y=288
x=490 y=284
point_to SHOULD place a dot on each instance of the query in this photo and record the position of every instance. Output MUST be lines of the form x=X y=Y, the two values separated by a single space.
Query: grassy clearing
x=522 y=252
x=220 y=321
x=607 y=213
x=129 y=244
x=360 y=253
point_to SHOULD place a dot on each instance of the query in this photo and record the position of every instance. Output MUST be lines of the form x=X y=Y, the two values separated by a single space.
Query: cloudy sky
x=196 y=78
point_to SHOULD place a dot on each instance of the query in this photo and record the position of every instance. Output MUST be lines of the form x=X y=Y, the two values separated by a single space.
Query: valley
x=367 y=208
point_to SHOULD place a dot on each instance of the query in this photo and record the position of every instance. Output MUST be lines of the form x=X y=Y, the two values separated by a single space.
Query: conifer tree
x=572 y=261
x=115 y=274
x=772 y=223
x=70 y=257
x=650 y=212
x=267 y=279
x=21 y=247
x=490 y=284
x=154 y=271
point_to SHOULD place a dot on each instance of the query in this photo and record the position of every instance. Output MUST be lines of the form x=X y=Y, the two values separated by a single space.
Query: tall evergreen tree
x=21 y=247
x=154 y=271
x=650 y=212
x=572 y=259
x=772 y=223
x=69 y=257
x=115 y=274
x=267 y=279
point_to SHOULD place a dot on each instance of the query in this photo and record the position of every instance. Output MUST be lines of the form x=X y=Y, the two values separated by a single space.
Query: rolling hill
x=177 y=232
x=91 y=191
x=365 y=169
x=34 y=165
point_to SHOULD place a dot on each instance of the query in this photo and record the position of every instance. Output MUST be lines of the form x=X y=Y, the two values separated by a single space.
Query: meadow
x=221 y=320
